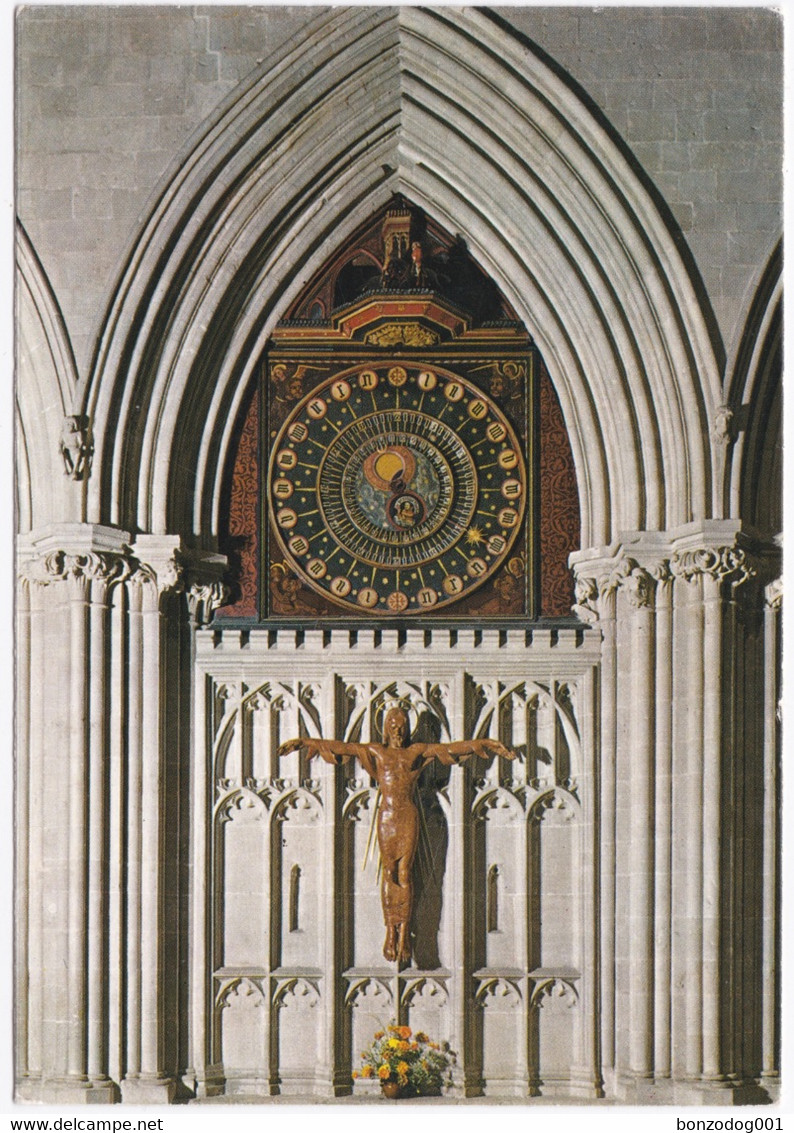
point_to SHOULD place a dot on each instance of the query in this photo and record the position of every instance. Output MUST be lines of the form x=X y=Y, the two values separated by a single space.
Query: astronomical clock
x=400 y=438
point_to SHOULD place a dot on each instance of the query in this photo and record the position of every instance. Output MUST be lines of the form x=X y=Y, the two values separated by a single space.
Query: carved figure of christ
x=396 y=765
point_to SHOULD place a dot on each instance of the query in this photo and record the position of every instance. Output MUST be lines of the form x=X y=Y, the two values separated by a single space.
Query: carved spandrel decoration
x=396 y=765
x=77 y=447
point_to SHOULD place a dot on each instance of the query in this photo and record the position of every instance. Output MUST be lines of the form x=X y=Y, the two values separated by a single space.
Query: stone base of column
x=67 y=1091
x=148 y=1090
x=585 y=1084
x=666 y=1091
x=721 y=1093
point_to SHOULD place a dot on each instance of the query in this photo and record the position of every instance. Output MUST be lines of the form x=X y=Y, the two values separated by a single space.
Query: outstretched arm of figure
x=332 y=751
x=464 y=749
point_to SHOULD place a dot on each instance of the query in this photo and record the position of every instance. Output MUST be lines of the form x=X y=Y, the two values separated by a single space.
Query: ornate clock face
x=396 y=489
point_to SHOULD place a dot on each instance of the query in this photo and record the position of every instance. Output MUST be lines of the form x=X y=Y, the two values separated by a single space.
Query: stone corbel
x=586 y=600
x=172 y=569
x=639 y=587
x=77 y=447
x=204 y=599
x=723 y=430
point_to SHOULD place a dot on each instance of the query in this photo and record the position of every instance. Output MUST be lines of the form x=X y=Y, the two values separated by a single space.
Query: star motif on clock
x=396 y=489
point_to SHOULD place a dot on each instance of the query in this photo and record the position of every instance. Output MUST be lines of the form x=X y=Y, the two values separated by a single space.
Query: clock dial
x=396 y=489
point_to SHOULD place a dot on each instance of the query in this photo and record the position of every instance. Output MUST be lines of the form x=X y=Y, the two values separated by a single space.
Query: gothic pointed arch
x=47 y=377
x=754 y=427
x=512 y=158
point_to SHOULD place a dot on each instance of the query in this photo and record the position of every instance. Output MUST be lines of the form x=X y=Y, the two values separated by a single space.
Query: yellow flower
x=366 y=1071
x=421 y=1037
x=394 y=1043
x=383 y=1071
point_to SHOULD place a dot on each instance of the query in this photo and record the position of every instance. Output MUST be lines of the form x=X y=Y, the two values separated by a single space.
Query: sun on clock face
x=396 y=489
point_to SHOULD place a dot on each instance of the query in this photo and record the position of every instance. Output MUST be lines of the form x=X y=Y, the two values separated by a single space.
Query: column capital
x=173 y=567
x=639 y=560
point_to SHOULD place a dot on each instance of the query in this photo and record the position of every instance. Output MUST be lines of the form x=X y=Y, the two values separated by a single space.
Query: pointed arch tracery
x=549 y=206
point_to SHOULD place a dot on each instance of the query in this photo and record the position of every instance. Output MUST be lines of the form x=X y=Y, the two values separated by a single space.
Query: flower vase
x=391 y=1089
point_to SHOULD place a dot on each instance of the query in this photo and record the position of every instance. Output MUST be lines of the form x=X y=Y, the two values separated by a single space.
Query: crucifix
x=396 y=765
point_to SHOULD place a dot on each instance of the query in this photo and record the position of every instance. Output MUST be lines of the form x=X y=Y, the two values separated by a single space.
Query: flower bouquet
x=406 y=1064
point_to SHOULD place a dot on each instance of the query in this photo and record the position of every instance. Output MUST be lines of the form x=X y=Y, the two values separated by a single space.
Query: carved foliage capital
x=204 y=599
x=720 y=563
x=100 y=568
x=773 y=595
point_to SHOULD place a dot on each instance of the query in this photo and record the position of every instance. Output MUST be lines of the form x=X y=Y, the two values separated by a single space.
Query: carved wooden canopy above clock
x=401 y=444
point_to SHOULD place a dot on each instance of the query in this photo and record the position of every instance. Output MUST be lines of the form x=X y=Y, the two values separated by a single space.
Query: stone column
x=770 y=1018
x=163 y=572
x=65 y=655
x=638 y=764
x=704 y=814
x=674 y=758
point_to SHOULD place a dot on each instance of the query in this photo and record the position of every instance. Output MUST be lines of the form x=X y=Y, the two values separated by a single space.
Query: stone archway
x=554 y=211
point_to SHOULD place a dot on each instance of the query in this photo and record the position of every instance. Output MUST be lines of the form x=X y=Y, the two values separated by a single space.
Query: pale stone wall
x=108 y=98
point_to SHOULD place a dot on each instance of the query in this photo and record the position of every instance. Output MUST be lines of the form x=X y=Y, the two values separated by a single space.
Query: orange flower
x=379 y=1034
x=366 y=1071
x=355 y=1073
x=383 y=1071
x=404 y=1032
x=421 y=1037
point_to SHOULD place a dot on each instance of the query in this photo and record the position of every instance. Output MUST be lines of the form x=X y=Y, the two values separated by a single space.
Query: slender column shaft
x=769 y=938
x=663 y=830
x=97 y=864
x=24 y=893
x=134 y=832
x=116 y=968
x=151 y=843
x=607 y=801
x=201 y=946
x=641 y=879
x=712 y=841
x=36 y=839
x=586 y=1073
x=77 y=983
x=693 y=799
